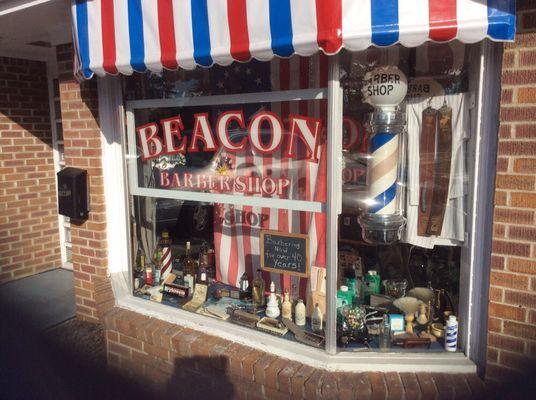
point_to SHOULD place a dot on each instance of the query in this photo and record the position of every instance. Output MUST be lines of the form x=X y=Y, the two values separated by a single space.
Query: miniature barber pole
x=383 y=220
x=165 y=260
x=451 y=334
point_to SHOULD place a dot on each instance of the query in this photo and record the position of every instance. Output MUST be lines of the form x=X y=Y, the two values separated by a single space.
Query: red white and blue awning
x=122 y=36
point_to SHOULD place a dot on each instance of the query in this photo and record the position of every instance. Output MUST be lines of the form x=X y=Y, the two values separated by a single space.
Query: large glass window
x=228 y=182
x=403 y=291
x=227 y=168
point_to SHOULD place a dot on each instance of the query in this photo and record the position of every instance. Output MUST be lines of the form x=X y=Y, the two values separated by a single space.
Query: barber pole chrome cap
x=382 y=221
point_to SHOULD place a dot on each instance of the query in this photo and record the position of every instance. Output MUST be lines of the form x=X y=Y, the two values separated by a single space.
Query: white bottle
x=272 y=308
x=299 y=313
x=317 y=319
x=451 y=334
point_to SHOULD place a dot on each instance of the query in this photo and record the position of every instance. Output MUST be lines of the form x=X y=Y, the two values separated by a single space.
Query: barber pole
x=383 y=219
x=383 y=169
x=166 y=263
x=165 y=260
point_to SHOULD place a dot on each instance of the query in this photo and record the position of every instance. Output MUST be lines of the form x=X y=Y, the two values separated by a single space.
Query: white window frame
x=112 y=111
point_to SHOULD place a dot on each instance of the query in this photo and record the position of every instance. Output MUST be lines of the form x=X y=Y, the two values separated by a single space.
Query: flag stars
x=248 y=71
x=220 y=85
x=237 y=68
x=258 y=81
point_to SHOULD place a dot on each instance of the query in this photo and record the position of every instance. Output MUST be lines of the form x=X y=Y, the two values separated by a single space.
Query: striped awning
x=122 y=36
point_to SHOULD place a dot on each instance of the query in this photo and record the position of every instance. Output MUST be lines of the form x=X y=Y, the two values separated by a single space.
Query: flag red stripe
x=166 y=32
x=108 y=36
x=238 y=29
x=443 y=23
x=329 y=25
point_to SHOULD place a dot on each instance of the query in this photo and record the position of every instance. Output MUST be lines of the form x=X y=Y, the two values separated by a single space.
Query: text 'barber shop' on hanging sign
x=285 y=253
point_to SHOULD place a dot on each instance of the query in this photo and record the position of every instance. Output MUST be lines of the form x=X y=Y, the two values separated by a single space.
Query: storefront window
x=399 y=279
x=228 y=181
x=228 y=171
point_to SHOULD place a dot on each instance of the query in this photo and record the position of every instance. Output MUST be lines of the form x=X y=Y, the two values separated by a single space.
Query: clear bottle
x=190 y=266
x=258 y=290
x=385 y=334
x=244 y=286
x=317 y=319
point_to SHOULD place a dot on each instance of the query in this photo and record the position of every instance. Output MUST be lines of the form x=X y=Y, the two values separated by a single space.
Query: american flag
x=237 y=228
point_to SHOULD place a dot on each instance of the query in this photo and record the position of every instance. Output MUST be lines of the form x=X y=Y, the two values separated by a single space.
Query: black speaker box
x=73 y=193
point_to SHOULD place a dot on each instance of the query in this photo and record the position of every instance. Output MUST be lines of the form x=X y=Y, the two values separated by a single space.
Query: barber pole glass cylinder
x=382 y=221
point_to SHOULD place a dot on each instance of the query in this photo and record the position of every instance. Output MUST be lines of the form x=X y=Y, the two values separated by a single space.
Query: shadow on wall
x=65 y=363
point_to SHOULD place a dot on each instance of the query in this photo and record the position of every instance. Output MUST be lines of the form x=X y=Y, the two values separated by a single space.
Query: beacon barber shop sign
x=240 y=153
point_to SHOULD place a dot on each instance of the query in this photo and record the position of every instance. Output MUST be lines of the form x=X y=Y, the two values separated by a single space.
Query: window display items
x=286 y=306
x=272 y=308
x=164 y=250
x=299 y=313
x=385 y=334
x=317 y=320
x=451 y=334
x=382 y=222
x=258 y=290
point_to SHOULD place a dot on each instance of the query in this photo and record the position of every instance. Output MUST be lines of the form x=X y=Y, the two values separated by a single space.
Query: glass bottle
x=258 y=290
x=244 y=286
x=299 y=313
x=385 y=334
x=140 y=260
x=189 y=263
x=286 y=307
x=317 y=319
x=202 y=275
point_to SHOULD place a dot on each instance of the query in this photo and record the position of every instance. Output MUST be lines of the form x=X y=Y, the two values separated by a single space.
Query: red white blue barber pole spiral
x=385 y=89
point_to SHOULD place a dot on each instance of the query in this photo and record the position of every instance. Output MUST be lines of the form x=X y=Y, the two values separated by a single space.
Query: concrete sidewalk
x=43 y=300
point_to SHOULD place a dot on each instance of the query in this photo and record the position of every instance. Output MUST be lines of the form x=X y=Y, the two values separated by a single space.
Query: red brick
x=508 y=280
x=526 y=131
x=516 y=182
x=516 y=361
x=495 y=325
x=492 y=355
x=522 y=233
x=520 y=330
x=286 y=375
x=506 y=312
x=520 y=298
x=299 y=379
x=524 y=200
x=524 y=266
x=511 y=248
x=495 y=294
x=261 y=366
x=518 y=76
x=497 y=262
x=313 y=385
x=506 y=343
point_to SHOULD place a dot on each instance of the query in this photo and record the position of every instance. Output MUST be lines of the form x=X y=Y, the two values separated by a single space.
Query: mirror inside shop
x=402 y=230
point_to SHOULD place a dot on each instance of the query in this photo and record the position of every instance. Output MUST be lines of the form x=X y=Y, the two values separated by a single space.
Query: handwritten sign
x=285 y=253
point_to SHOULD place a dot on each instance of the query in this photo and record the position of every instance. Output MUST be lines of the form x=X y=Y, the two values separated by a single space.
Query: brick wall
x=29 y=236
x=161 y=356
x=79 y=113
x=512 y=308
